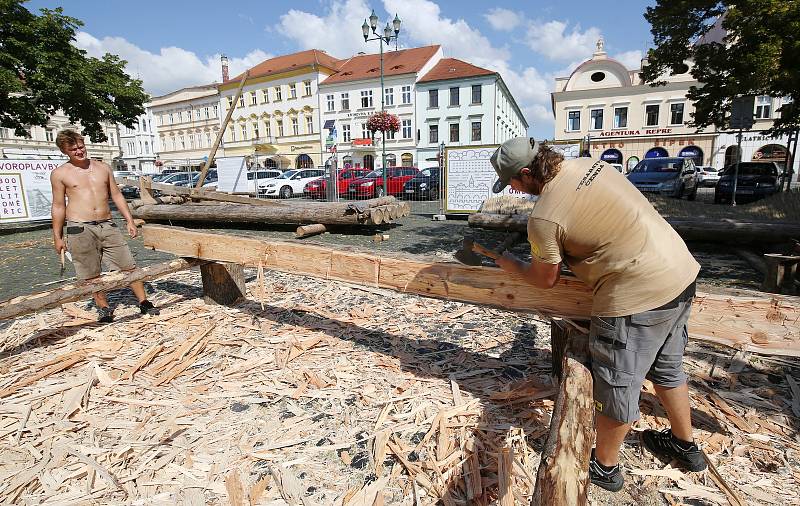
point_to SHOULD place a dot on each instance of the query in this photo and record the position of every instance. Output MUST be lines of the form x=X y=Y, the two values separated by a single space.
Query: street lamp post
x=389 y=33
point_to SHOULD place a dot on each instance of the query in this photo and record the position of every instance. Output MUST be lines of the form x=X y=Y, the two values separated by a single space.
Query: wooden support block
x=223 y=283
x=568 y=341
x=309 y=230
x=781 y=273
x=146 y=190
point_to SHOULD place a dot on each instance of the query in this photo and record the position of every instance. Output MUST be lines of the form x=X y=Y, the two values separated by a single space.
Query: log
x=563 y=476
x=223 y=283
x=309 y=230
x=760 y=324
x=690 y=230
x=24 y=304
x=376 y=215
x=568 y=341
x=327 y=213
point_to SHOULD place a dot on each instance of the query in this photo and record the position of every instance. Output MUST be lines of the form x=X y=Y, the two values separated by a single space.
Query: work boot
x=147 y=307
x=666 y=447
x=105 y=315
x=609 y=478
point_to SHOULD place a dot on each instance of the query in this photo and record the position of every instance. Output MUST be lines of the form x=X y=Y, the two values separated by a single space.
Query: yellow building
x=276 y=121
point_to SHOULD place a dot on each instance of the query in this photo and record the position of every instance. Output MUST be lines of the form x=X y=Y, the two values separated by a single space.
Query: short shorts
x=91 y=243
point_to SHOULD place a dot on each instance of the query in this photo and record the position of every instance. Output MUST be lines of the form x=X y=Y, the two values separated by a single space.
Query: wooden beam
x=24 y=304
x=761 y=324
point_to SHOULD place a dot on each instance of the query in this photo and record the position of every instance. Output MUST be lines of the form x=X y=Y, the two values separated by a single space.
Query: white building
x=459 y=104
x=353 y=94
x=139 y=144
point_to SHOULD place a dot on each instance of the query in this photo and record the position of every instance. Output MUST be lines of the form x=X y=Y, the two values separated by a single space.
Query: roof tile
x=289 y=62
x=452 y=68
x=405 y=61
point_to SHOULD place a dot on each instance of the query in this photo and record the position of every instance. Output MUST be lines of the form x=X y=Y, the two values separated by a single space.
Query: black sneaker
x=667 y=448
x=608 y=478
x=105 y=315
x=147 y=307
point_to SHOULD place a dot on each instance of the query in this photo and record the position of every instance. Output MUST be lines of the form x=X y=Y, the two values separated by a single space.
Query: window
x=293 y=90
x=388 y=96
x=651 y=115
x=406 y=94
x=364 y=131
x=208 y=140
x=574 y=120
x=454 y=97
x=330 y=101
x=205 y=111
x=267 y=128
x=244 y=131
x=345 y=133
x=676 y=114
x=255 y=130
x=216 y=111
x=309 y=125
x=433 y=134
x=253 y=98
x=406 y=129
x=49 y=134
x=278 y=93
x=391 y=160
x=183 y=142
x=407 y=160
x=280 y=127
x=265 y=96
x=146 y=147
x=170 y=118
x=453 y=132
x=241 y=100
x=345 y=101
x=620 y=117
x=233 y=134
x=366 y=98
x=476 y=131
x=763 y=105
x=230 y=102
x=476 y=93
x=307 y=88
x=433 y=98
x=597 y=119
x=295 y=127
x=191 y=141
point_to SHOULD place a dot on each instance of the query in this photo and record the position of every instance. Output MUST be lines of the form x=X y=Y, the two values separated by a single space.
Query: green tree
x=757 y=56
x=41 y=71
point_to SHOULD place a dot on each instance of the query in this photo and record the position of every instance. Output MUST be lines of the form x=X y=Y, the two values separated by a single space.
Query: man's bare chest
x=85 y=181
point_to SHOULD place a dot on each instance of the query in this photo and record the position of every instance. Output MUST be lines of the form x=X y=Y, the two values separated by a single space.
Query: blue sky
x=171 y=44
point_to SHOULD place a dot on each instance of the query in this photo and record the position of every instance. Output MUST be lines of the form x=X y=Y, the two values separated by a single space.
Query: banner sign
x=25 y=192
x=232 y=175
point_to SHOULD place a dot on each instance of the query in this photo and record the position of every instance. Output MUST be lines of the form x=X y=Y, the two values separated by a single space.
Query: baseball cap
x=511 y=157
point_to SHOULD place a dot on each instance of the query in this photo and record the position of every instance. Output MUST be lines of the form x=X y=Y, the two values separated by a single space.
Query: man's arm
x=538 y=274
x=58 y=210
x=119 y=201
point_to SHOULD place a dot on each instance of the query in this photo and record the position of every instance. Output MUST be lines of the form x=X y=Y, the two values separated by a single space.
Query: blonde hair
x=546 y=164
x=67 y=137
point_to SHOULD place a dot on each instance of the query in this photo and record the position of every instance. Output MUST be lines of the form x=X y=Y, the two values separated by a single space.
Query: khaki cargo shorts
x=93 y=242
x=627 y=349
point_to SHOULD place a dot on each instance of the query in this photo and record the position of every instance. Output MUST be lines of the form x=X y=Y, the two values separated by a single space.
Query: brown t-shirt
x=591 y=217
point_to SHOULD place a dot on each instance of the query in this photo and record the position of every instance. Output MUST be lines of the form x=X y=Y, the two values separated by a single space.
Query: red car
x=371 y=185
x=316 y=189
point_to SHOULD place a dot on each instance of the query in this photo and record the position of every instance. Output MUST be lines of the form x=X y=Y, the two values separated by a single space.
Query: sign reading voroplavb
x=25 y=193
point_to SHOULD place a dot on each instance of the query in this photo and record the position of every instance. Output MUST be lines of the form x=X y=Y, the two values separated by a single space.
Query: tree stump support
x=223 y=283
x=563 y=475
x=781 y=273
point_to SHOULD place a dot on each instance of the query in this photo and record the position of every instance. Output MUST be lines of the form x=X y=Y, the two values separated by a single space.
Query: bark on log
x=691 y=230
x=223 y=283
x=24 y=304
x=309 y=230
x=327 y=213
x=568 y=341
x=563 y=476
x=760 y=324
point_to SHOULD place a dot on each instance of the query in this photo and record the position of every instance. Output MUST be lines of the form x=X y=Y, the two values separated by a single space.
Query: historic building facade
x=276 y=121
x=138 y=145
x=459 y=104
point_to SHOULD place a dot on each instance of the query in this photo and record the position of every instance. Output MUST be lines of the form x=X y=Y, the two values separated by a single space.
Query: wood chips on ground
x=315 y=392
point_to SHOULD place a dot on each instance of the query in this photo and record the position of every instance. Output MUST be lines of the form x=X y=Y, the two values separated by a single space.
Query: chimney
x=224 y=60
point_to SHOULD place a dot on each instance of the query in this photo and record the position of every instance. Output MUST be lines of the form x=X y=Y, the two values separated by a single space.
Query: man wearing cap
x=643 y=281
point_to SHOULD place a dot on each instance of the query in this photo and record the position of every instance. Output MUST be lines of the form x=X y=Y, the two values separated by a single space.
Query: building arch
x=303 y=161
x=369 y=162
x=771 y=153
x=692 y=152
x=611 y=155
x=407 y=160
x=656 y=152
x=391 y=160
x=731 y=155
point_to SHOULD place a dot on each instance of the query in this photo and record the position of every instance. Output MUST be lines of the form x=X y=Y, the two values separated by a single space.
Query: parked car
x=619 y=167
x=129 y=192
x=668 y=176
x=371 y=185
x=126 y=173
x=211 y=177
x=755 y=180
x=424 y=185
x=707 y=176
x=317 y=189
x=289 y=183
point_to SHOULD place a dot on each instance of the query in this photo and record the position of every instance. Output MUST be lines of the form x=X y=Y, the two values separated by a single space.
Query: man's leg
x=100 y=299
x=676 y=403
x=610 y=435
x=138 y=290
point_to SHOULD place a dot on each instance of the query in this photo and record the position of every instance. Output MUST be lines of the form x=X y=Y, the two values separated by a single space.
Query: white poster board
x=25 y=192
x=232 y=175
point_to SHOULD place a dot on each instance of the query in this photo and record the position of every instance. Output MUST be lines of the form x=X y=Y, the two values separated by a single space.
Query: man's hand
x=59 y=245
x=509 y=263
x=132 y=231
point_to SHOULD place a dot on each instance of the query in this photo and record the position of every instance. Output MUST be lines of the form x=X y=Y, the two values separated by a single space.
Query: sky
x=176 y=43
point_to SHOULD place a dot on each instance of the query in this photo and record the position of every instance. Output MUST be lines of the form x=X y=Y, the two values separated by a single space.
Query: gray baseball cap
x=511 y=157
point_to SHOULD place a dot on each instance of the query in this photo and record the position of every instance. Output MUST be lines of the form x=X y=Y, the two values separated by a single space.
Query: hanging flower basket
x=383 y=122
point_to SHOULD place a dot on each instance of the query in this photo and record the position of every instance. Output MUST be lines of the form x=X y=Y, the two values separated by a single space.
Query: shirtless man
x=81 y=188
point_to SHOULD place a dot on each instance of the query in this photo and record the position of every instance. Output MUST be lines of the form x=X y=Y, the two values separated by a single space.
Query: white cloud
x=338 y=32
x=631 y=59
x=503 y=19
x=553 y=42
x=171 y=68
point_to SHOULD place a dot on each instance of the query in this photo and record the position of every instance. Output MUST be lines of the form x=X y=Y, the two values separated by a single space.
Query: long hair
x=546 y=164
